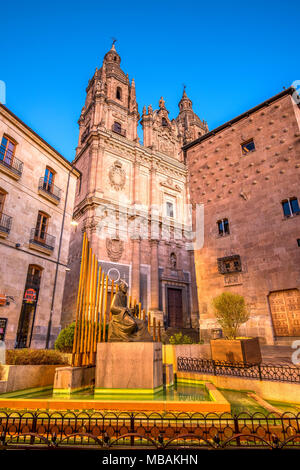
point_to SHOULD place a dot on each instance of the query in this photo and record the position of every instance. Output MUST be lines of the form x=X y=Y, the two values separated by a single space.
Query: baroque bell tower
x=110 y=102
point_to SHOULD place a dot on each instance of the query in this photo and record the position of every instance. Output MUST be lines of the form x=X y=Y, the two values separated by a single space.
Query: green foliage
x=34 y=357
x=231 y=312
x=179 y=338
x=64 y=341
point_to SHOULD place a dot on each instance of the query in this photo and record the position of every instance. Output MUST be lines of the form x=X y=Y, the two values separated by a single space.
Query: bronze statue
x=124 y=326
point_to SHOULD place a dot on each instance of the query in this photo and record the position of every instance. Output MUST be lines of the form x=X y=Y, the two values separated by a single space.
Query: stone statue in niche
x=173 y=260
x=124 y=326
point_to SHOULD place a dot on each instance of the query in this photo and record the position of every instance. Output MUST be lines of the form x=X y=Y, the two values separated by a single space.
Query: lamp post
x=57 y=264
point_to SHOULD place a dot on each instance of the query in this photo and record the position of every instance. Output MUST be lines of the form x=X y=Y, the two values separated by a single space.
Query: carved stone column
x=154 y=305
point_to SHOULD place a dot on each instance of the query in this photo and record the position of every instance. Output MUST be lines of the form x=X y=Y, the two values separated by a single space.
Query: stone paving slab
x=280 y=355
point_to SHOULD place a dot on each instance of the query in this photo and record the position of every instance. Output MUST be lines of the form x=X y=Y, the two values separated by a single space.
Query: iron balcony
x=49 y=190
x=42 y=242
x=10 y=164
x=5 y=224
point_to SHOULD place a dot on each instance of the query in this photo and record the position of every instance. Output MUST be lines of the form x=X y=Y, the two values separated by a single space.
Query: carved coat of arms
x=117 y=176
x=114 y=248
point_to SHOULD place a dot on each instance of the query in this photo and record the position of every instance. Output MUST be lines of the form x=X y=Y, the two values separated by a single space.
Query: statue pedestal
x=128 y=368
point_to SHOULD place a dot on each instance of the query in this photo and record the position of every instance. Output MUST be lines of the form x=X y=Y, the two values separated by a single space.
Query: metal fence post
x=132 y=430
x=259 y=372
x=236 y=429
x=33 y=428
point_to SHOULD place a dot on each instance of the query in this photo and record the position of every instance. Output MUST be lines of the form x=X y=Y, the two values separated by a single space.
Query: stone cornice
x=113 y=141
x=32 y=135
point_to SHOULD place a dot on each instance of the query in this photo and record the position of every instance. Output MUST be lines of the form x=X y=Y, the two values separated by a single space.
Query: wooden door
x=175 y=308
x=285 y=310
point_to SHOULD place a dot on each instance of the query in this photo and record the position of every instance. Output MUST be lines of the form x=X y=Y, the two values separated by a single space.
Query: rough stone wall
x=248 y=190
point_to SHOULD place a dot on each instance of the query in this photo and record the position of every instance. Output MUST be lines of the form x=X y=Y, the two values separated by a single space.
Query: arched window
x=3 y=194
x=117 y=127
x=119 y=93
x=48 y=179
x=164 y=122
x=7 y=149
x=41 y=227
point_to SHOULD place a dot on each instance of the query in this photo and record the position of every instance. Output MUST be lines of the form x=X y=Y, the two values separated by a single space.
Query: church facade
x=133 y=199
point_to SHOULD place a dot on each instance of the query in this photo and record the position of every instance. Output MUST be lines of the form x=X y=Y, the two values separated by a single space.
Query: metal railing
x=273 y=372
x=5 y=223
x=8 y=160
x=112 y=430
x=45 y=240
x=50 y=189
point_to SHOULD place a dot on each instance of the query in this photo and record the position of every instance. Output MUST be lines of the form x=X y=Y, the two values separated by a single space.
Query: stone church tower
x=133 y=198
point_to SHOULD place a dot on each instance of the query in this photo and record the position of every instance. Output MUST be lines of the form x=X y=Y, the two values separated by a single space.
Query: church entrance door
x=175 y=307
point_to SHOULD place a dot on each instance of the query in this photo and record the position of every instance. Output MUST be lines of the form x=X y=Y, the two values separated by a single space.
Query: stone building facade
x=37 y=190
x=246 y=173
x=132 y=198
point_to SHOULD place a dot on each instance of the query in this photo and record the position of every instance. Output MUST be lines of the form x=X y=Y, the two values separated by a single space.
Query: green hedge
x=34 y=357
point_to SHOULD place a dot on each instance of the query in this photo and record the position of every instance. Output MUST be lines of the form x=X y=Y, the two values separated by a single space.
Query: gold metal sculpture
x=93 y=313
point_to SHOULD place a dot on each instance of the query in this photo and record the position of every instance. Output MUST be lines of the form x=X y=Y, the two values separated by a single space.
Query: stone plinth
x=129 y=368
x=168 y=375
x=69 y=380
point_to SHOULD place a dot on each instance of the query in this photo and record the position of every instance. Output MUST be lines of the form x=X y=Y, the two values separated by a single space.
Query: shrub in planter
x=231 y=312
x=34 y=357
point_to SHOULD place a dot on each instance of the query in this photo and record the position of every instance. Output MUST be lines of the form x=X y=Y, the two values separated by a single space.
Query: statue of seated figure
x=124 y=326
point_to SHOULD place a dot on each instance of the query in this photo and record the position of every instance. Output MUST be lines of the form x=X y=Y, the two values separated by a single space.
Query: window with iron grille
x=229 y=264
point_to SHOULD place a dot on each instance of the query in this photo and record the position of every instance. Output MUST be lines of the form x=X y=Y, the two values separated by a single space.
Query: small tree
x=231 y=312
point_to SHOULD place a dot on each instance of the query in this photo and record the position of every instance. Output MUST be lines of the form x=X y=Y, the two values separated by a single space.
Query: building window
x=41 y=227
x=248 y=146
x=290 y=207
x=298 y=241
x=117 y=127
x=164 y=122
x=223 y=226
x=2 y=199
x=48 y=179
x=170 y=209
x=119 y=93
x=7 y=150
x=229 y=264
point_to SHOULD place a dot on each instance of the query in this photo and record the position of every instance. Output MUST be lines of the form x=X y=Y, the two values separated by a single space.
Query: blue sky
x=230 y=56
